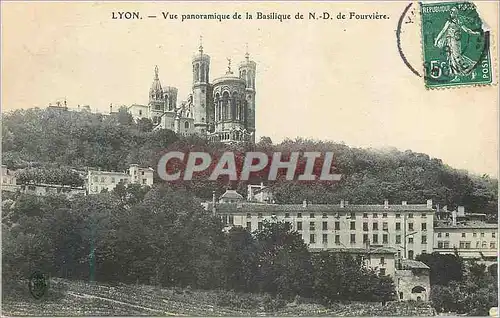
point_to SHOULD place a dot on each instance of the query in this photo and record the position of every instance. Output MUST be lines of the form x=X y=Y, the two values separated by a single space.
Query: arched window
x=233 y=105
x=155 y=119
x=186 y=125
x=217 y=107
x=202 y=77
x=417 y=289
x=206 y=75
x=197 y=73
x=244 y=75
x=225 y=105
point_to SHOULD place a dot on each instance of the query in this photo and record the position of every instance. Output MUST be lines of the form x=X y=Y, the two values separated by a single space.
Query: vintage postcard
x=249 y=158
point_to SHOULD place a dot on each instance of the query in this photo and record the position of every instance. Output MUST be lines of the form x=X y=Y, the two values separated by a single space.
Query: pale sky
x=339 y=80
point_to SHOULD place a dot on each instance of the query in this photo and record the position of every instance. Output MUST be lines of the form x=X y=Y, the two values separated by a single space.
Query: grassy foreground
x=72 y=298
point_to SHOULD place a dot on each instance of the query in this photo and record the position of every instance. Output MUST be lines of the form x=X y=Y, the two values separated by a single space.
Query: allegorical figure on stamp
x=449 y=39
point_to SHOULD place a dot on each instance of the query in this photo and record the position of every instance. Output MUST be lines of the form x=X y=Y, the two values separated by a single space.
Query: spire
x=247 y=56
x=156 y=72
x=201 y=45
x=229 y=66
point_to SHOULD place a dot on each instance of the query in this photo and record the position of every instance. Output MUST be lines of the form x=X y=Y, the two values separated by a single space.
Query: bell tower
x=247 y=70
x=201 y=88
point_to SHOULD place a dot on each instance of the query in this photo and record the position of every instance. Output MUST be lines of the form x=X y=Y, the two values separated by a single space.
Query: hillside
x=70 y=298
x=51 y=138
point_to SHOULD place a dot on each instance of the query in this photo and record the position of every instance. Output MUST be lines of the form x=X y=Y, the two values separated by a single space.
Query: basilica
x=221 y=110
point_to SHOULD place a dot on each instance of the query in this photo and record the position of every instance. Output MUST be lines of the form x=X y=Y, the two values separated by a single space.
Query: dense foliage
x=80 y=139
x=163 y=237
x=460 y=286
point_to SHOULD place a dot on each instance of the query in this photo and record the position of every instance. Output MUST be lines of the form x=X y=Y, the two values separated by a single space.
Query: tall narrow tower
x=201 y=88
x=156 y=102
x=247 y=72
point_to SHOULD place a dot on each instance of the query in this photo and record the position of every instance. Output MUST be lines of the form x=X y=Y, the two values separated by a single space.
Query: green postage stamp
x=456 y=46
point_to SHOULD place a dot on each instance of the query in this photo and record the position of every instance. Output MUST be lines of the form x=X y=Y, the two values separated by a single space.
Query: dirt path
x=82 y=295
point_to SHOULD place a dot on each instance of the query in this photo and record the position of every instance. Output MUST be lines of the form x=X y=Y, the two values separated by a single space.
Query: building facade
x=408 y=228
x=9 y=180
x=98 y=180
x=222 y=110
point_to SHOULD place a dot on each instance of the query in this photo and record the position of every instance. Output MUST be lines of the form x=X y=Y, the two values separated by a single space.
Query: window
x=467 y=244
x=140 y=112
x=312 y=239
x=482 y=234
x=385 y=227
x=311 y=215
x=483 y=245
x=259 y=215
x=492 y=244
x=365 y=215
x=249 y=215
x=299 y=226
x=446 y=244
x=462 y=245
x=439 y=235
x=440 y=244
x=424 y=251
x=249 y=226
x=398 y=226
x=337 y=225
x=353 y=238
x=112 y=180
x=325 y=226
x=398 y=239
x=325 y=215
x=259 y=226
x=424 y=239
x=365 y=226
x=231 y=219
x=337 y=239
x=325 y=238
x=353 y=225
x=287 y=215
x=477 y=244
x=353 y=215
x=375 y=238
x=384 y=215
x=375 y=215
x=186 y=125
x=424 y=215
x=144 y=181
x=102 y=179
x=410 y=215
x=424 y=226
x=446 y=234
x=382 y=272
x=410 y=254
x=398 y=216
x=375 y=226
x=463 y=234
x=410 y=240
x=299 y=215
x=382 y=261
x=365 y=238
x=493 y=235
x=385 y=239
x=410 y=226
x=142 y=172
x=312 y=226
x=475 y=234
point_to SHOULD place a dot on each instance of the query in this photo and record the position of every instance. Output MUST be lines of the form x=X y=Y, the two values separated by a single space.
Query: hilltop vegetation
x=51 y=138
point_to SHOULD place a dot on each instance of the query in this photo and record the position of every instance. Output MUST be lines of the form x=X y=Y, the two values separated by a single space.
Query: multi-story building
x=48 y=189
x=469 y=238
x=222 y=110
x=9 y=180
x=408 y=228
x=98 y=180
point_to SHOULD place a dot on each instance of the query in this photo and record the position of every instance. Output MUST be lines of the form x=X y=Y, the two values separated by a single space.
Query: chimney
x=341 y=203
x=386 y=204
x=404 y=203
x=110 y=108
x=429 y=204
x=249 y=192
x=461 y=211
x=346 y=203
x=304 y=204
x=454 y=218
x=262 y=185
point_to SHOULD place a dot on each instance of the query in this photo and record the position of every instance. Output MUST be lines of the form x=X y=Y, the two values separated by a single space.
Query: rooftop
x=231 y=194
x=412 y=264
x=466 y=225
x=255 y=207
x=357 y=250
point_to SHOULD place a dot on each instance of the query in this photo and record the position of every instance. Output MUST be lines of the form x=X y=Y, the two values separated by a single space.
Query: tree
x=444 y=268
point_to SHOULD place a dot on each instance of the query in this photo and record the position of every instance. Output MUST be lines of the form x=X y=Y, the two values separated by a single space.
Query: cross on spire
x=156 y=72
x=201 y=44
x=229 y=66
x=247 y=56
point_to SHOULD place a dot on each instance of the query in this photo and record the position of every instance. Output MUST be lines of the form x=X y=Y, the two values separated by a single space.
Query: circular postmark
x=38 y=285
x=453 y=41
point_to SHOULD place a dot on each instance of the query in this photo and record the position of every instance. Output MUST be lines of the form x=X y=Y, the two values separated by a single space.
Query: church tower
x=247 y=72
x=201 y=90
x=156 y=101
